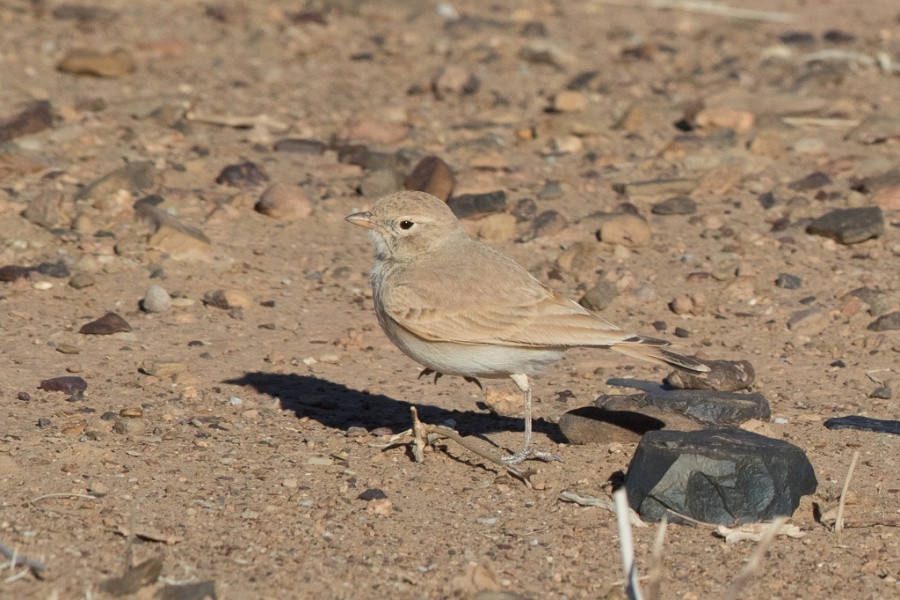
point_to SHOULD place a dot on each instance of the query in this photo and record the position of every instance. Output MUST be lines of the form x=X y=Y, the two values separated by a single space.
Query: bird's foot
x=530 y=454
x=427 y=372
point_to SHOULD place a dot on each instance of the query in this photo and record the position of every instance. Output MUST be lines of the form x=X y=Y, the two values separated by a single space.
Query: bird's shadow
x=340 y=407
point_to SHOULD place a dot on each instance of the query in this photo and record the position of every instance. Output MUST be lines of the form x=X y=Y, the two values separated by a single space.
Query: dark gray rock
x=723 y=476
x=813 y=181
x=888 y=322
x=676 y=205
x=548 y=222
x=474 y=205
x=864 y=424
x=69 y=384
x=788 y=281
x=849 y=225
x=723 y=409
x=301 y=145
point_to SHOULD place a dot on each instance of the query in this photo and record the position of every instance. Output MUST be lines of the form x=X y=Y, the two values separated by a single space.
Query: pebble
x=245 y=174
x=676 y=205
x=67 y=385
x=888 y=198
x=689 y=304
x=723 y=376
x=849 y=225
x=551 y=191
x=567 y=144
x=471 y=205
x=656 y=187
x=875 y=129
x=808 y=321
x=625 y=229
x=548 y=222
x=499 y=227
x=36 y=117
x=888 y=322
x=134 y=177
x=380 y=182
x=108 y=324
x=454 y=80
x=79 y=281
x=431 y=175
x=301 y=146
x=177 y=240
x=283 y=201
x=504 y=402
x=570 y=101
x=227 y=299
x=788 y=281
x=740 y=121
x=156 y=300
x=11 y=273
x=600 y=296
x=544 y=52
x=114 y=63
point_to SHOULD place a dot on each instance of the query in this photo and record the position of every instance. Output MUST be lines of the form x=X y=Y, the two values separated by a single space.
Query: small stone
x=567 y=144
x=498 y=227
x=504 y=402
x=625 y=229
x=431 y=175
x=875 y=129
x=888 y=322
x=156 y=300
x=132 y=412
x=570 y=101
x=551 y=191
x=472 y=205
x=676 y=205
x=380 y=182
x=723 y=476
x=108 y=324
x=808 y=321
x=813 y=181
x=723 y=376
x=300 y=146
x=689 y=304
x=114 y=63
x=177 y=240
x=888 y=198
x=544 y=52
x=227 y=299
x=283 y=201
x=788 y=281
x=67 y=385
x=68 y=349
x=549 y=222
x=882 y=393
x=740 y=121
x=10 y=273
x=599 y=297
x=164 y=369
x=59 y=269
x=245 y=174
x=380 y=508
x=38 y=116
x=656 y=187
x=455 y=80
x=849 y=225
x=372 y=494
x=134 y=177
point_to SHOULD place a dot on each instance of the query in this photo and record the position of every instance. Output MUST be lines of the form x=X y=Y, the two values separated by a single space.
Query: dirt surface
x=245 y=444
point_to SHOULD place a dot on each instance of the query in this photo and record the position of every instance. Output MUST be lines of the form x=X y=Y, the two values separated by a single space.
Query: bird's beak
x=363 y=219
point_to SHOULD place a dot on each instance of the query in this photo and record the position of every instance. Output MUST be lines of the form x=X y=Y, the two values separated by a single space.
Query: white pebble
x=156 y=300
x=780 y=421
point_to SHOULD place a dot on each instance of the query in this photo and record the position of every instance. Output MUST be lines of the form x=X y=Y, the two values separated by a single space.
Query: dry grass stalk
x=626 y=545
x=753 y=564
x=839 y=522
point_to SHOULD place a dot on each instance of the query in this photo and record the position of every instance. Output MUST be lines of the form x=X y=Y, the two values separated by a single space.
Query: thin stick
x=632 y=588
x=708 y=8
x=753 y=564
x=61 y=495
x=654 y=575
x=839 y=521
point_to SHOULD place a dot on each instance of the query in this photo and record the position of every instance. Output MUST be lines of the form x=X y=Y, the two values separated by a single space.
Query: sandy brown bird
x=459 y=307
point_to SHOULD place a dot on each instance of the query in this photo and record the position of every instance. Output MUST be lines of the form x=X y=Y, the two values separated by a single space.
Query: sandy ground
x=245 y=445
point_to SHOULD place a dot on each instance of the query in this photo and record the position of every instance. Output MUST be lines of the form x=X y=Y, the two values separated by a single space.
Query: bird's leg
x=527 y=452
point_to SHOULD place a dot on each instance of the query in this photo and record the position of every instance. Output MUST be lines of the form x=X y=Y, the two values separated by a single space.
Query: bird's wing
x=505 y=307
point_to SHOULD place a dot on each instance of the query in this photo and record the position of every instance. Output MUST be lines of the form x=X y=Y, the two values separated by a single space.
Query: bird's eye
x=406 y=224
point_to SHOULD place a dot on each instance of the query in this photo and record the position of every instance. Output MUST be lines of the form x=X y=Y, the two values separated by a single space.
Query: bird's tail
x=654 y=350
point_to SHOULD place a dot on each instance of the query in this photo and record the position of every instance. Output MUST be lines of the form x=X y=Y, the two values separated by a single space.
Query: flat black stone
x=723 y=476
x=864 y=424
x=470 y=205
x=849 y=225
x=725 y=409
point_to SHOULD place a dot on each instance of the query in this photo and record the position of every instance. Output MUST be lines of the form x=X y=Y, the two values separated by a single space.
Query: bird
x=459 y=307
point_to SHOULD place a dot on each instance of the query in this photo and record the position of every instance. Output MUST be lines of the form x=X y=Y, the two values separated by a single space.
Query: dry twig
x=17 y=560
x=839 y=521
x=708 y=8
x=626 y=545
x=574 y=498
